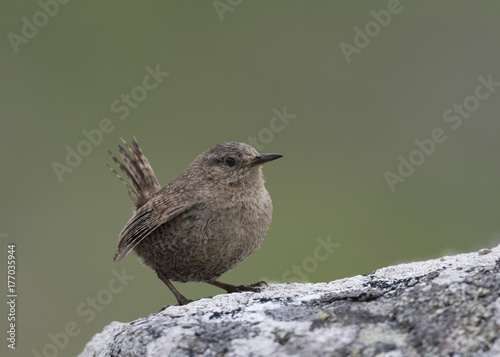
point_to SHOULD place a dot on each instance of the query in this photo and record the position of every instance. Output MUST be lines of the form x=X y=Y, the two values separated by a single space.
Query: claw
x=255 y=287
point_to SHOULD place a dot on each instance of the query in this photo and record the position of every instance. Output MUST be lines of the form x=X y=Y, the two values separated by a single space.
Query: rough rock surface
x=443 y=307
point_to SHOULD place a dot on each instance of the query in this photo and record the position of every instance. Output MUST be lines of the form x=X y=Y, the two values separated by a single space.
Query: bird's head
x=231 y=163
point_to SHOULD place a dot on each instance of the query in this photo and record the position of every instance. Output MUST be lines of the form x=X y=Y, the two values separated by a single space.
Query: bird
x=204 y=222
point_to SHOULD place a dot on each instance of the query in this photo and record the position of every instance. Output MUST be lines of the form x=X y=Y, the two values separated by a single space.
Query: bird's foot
x=255 y=287
x=183 y=300
x=239 y=288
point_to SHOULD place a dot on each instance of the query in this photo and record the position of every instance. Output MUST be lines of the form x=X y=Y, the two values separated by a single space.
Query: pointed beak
x=263 y=158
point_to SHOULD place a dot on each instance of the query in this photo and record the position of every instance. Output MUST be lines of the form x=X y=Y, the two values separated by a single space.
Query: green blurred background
x=227 y=72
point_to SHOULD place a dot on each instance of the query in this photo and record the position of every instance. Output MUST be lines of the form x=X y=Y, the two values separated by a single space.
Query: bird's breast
x=239 y=221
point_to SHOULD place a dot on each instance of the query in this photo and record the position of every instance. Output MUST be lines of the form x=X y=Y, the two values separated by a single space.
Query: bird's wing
x=154 y=213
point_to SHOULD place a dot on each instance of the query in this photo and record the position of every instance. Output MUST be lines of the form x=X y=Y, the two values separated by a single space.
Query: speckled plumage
x=203 y=223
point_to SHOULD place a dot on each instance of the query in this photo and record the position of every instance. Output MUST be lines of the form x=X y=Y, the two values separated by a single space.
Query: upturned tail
x=138 y=171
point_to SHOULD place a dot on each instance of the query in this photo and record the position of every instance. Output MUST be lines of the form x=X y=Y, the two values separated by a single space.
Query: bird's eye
x=230 y=161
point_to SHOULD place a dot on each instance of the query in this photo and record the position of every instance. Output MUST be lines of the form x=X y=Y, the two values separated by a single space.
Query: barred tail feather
x=137 y=169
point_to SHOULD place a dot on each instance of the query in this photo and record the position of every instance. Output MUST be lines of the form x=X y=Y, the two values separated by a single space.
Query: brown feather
x=150 y=216
x=138 y=171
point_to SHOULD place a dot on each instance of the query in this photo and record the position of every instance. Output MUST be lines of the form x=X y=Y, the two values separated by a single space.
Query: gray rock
x=443 y=307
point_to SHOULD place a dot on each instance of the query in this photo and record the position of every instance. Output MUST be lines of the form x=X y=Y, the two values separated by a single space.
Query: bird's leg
x=238 y=288
x=181 y=299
